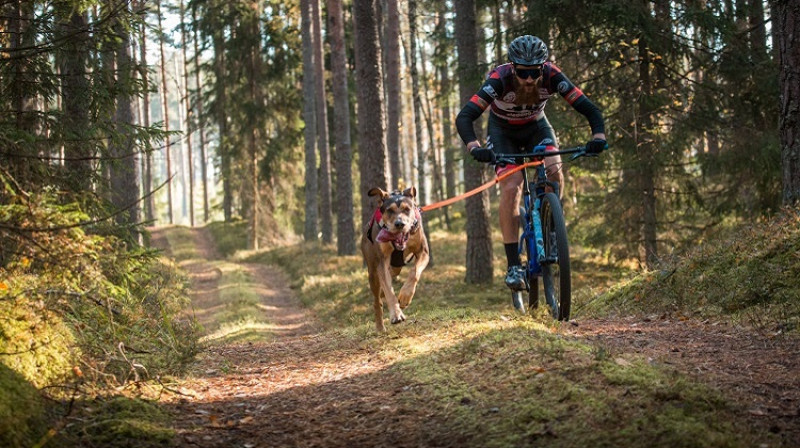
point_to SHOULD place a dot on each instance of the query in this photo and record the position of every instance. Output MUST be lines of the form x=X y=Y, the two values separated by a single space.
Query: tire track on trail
x=293 y=386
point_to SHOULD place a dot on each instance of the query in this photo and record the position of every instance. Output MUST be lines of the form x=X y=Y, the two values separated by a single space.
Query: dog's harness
x=398 y=240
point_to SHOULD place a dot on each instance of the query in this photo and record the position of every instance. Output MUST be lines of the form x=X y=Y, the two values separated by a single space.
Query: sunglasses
x=528 y=72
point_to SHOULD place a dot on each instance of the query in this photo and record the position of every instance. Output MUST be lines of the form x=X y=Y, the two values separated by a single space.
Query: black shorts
x=506 y=138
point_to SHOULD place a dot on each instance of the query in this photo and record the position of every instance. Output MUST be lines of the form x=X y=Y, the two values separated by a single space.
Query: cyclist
x=517 y=92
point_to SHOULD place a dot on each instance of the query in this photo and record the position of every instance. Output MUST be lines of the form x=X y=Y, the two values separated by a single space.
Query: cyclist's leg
x=553 y=165
x=501 y=141
x=504 y=140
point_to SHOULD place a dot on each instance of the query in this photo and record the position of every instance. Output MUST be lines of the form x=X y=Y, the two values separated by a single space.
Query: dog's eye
x=405 y=209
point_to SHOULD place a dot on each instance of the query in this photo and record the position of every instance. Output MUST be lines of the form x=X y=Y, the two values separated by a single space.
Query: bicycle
x=544 y=246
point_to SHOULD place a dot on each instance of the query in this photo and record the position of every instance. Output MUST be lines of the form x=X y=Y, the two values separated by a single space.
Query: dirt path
x=305 y=388
x=760 y=372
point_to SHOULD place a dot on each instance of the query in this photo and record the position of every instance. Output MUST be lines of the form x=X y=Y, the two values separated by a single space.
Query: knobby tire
x=556 y=276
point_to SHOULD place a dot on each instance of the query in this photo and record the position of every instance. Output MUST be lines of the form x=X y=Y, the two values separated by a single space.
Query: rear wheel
x=555 y=268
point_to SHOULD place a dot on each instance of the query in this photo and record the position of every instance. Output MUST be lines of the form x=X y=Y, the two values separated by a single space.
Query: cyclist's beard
x=524 y=97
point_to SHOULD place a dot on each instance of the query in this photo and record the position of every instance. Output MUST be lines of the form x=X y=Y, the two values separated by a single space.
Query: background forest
x=278 y=116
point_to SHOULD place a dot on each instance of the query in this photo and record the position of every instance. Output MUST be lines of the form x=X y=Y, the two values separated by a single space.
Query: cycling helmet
x=527 y=50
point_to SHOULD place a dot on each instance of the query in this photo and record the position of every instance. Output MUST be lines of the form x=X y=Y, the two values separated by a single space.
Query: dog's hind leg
x=377 y=304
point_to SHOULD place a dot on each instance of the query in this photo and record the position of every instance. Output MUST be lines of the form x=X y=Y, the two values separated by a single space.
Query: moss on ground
x=749 y=273
x=22 y=417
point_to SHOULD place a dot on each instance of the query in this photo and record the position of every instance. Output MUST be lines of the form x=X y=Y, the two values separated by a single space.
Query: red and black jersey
x=498 y=93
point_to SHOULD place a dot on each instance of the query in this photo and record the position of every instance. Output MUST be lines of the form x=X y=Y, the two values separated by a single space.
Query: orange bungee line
x=475 y=191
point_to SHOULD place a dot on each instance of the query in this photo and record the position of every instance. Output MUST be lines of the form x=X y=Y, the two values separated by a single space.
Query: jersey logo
x=490 y=90
x=563 y=86
x=510 y=97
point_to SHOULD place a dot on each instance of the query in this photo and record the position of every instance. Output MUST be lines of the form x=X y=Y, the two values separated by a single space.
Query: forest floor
x=296 y=385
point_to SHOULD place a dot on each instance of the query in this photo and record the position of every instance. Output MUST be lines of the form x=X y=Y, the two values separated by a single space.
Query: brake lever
x=581 y=154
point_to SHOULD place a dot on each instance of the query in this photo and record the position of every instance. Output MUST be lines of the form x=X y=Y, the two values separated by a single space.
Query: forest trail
x=300 y=386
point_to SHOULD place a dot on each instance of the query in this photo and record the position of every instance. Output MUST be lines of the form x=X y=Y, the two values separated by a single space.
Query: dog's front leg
x=385 y=276
x=410 y=286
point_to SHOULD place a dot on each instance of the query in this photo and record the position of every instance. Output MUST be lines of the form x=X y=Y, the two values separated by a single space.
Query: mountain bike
x=544 y=247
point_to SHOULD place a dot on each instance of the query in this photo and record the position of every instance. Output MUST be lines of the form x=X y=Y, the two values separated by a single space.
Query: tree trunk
x=785 y=29
x=187 y=107
x=646 y=148
x=200 y=126
x=72 y=59
x=309 y=117
x=221 y=118
x=444 y=105
x=147 y=174
x=393 y=98
x=165 y=113
x=254 y=133
x=373 y=161
x=479 y=235
x=124 y=169
x=422 y=159
x=345 y=232
x=323 y=145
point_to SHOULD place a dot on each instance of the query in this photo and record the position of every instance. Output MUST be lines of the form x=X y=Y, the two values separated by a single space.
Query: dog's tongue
x=398 y=240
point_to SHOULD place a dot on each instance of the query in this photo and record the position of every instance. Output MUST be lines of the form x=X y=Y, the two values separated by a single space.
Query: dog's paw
x=380 y=328
x=399 y=317
x=405 y=295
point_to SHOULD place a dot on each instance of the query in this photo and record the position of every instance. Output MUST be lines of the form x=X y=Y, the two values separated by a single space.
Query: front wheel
x=555 y=268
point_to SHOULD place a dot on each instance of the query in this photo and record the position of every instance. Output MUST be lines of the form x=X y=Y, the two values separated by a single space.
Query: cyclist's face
x=528 y=74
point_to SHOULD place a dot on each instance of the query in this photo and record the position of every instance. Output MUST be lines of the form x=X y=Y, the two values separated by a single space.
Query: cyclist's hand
x=485 y=155
x=596 y=146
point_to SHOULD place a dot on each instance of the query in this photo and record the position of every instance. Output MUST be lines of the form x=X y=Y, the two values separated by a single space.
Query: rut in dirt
x=298 y=387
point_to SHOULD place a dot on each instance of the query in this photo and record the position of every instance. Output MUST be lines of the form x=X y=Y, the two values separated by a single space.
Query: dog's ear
x=377 y=191
x=410 y=192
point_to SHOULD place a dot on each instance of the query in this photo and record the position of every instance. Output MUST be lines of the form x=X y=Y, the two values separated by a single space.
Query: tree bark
x=124 y=169
x=422 y=159
x=165 y=113
x=187 y=107
x=786 y=18
x=479 y=235
x=309 y=117
x=646 y=148
x=393 y=97
x=345 y=232
x=323 y=145
x=221 y=118
x=147 y=174
x=373 y=161
x=200 y=126
x=72 y=59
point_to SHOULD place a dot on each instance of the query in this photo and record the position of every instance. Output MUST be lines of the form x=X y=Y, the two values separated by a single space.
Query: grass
x=747 y=273
x=239 y=319
x=500 y=379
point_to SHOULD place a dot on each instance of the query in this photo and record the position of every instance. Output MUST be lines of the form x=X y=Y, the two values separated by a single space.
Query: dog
x=391 y=238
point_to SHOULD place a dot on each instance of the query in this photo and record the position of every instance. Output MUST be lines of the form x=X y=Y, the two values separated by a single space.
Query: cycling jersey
x=498 y=92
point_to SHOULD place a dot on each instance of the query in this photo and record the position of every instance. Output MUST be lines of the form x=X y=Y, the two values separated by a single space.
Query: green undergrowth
x=82 y=313
x=498 y=379
x=749 y=272
x=229 y=237
x=119 y=422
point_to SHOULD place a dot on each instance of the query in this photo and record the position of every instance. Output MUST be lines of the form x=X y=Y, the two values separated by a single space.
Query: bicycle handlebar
x=540 y=153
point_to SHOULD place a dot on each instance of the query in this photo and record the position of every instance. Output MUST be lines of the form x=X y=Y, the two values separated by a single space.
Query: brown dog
x=390 y=239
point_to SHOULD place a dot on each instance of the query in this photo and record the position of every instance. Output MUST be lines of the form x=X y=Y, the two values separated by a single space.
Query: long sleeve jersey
x=498 y=92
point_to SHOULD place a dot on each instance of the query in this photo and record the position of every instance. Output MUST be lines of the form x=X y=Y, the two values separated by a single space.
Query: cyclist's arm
x=474 y=108
x=578 y=101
